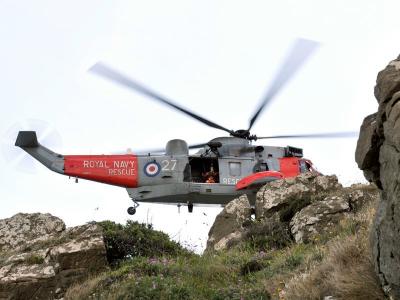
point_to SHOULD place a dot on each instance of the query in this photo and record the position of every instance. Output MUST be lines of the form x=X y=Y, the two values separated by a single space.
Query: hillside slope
x=334 y=263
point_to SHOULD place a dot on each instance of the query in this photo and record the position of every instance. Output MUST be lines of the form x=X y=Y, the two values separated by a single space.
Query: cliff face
x=378 y=155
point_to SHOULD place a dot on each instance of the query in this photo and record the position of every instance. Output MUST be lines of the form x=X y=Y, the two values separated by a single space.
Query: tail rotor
x=16 y=157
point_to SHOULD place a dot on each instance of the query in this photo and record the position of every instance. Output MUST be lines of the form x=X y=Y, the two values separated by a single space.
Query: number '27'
x=168 y=165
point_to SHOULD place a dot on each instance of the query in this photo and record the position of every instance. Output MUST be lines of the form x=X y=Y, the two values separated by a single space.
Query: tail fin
x=27 y=139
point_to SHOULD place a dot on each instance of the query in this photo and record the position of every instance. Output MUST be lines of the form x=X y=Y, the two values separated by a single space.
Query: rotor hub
x=244 y=134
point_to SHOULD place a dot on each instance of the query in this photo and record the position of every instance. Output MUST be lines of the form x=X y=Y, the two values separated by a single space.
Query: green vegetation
x=269 y=234
x=244 y=272
x=134 y=239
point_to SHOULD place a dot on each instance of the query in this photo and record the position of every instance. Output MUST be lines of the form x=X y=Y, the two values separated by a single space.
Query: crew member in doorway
x=210 y=176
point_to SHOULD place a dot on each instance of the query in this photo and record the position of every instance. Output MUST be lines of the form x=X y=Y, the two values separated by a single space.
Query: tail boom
x=120 y=170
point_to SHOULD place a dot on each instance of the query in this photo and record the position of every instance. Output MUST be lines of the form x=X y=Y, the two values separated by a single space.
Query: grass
x=190 y=277
x=241 y=273
x=346 y=271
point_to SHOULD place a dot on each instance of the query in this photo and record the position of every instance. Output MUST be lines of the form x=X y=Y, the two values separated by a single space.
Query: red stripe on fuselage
x=121 y=170
x=289 y=166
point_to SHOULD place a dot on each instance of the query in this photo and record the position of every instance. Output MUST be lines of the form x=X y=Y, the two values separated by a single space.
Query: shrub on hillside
x=269 y=234
x=135 y=239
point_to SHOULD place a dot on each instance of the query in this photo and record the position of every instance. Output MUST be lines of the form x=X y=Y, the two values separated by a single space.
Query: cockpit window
x=307 y=166
x=303 y=166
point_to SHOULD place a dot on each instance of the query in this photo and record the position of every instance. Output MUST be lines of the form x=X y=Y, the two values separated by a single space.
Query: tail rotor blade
x=113 y=75
x=299 y=53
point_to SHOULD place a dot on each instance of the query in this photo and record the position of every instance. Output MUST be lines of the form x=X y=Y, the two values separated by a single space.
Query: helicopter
x=222 y=169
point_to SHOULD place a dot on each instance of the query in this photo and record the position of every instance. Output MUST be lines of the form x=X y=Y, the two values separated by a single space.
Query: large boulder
x=378 y=155
x=228 y=227
x=318 y=218
x=43 y=268
x=28 y=228
x=279 y=194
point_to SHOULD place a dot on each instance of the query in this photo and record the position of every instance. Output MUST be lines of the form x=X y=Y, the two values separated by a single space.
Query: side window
x=260 y=167
x=273 y=164
x=235 y=169
x=309 y=167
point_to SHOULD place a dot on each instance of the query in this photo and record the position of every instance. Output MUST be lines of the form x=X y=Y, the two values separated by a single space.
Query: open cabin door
x=204 y=170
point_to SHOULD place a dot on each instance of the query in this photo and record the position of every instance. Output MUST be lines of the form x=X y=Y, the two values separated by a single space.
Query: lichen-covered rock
x=360 y=194
x=381 y=165
x=228 y=226
x=23 y=228
x=293 y=208
x=275 y=195
x=318 y=218
x=44 y=268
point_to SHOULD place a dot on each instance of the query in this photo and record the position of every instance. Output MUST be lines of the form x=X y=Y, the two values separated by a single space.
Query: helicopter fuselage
x=226 y=167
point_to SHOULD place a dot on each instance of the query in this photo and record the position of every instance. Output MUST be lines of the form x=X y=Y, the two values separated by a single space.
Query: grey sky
x=214 y=57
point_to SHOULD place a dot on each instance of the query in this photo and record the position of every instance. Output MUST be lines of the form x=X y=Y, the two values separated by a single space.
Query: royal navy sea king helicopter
x=222 y=169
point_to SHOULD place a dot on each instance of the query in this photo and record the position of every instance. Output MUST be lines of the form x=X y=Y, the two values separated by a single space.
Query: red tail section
x=121 y=170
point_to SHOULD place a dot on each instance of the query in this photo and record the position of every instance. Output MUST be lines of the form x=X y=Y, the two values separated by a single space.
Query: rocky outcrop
x=378 y=155
x=43 y=267
x=228 y=227
x=22 y=229
x=279 y=194
x=298 y=209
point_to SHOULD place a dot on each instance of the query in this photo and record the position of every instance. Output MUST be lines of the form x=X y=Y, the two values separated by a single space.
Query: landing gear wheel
x=131 y=210
x=190 y=207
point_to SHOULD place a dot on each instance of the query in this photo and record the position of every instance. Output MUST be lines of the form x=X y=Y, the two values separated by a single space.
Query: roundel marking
x=152 y=169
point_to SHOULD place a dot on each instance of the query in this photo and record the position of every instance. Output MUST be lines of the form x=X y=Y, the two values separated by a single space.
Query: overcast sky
x=214 y=57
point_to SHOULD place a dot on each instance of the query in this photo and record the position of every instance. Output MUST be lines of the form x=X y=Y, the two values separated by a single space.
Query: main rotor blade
x=344 y=134
x=300 y=52
x=106 y=72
